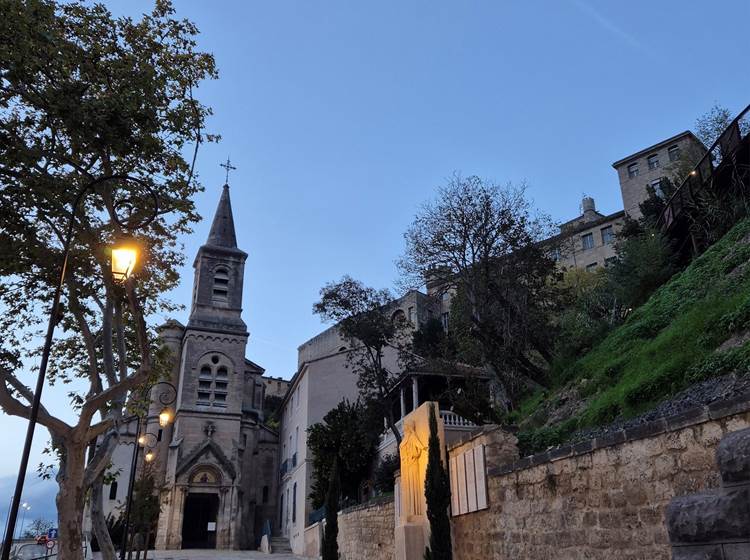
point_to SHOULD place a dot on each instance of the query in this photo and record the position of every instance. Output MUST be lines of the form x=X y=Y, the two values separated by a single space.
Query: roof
x=255 y=367
x=676 y=137
x=572 y=230
x=222 y=229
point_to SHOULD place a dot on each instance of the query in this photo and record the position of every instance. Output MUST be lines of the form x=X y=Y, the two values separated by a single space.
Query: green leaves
x=348 y=432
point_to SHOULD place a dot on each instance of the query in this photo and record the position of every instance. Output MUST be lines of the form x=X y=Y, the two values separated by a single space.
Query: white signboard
x=468 y=481
x=454 y=487
x=463 y=505
x=471 y=487
x=481 y=477
x=212 y=525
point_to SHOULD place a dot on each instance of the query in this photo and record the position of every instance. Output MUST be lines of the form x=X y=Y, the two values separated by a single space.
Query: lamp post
x=148 y=441
x=119 y=273
x=25 y=507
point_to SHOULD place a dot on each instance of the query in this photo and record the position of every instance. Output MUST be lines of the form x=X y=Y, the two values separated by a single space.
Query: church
x=216 y=464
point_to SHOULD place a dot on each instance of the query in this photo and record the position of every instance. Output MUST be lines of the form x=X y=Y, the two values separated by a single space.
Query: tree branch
x=13 y=406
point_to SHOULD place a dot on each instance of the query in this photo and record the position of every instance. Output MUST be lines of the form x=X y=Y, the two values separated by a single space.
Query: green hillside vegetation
x=694 y=327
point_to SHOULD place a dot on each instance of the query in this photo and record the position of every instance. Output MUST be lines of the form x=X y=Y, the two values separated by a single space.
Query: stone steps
x=280 y=545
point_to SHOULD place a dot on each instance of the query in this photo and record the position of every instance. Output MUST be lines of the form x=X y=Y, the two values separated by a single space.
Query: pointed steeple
x=222 y=229
x=219 y=274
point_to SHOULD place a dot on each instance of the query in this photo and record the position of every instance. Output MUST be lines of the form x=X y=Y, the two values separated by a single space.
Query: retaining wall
x=600 y=499
x=366 y=531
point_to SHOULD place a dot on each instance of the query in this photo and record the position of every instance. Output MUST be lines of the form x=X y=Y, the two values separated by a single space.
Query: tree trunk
x=70 y=501
x=99 y=523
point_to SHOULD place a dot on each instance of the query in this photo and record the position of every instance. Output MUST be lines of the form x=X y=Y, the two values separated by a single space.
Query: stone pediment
x=208 y=447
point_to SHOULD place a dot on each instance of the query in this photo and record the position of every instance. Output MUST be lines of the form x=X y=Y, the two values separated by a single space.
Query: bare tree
x=482 y=243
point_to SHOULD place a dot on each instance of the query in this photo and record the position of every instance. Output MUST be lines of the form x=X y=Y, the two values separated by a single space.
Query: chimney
x=589 y=209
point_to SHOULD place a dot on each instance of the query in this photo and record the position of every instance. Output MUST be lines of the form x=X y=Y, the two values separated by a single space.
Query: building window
x=591 y=267
x=633 y=170
x=294 y=503
x=674 y=153
x=411 y=315
x=587 y=241
x=653 y=161
x=656 y=185
x=113 y=491
x=159 y=435
x=213 y=385
x=445 y=317
x=608 y=235
x=221 y=285
x=265 y=494
x=555 y=255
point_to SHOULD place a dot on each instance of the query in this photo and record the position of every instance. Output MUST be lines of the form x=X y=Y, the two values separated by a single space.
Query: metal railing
x=720 y=152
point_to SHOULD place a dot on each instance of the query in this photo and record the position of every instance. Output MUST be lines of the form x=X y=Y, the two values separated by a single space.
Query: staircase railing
x=703 y=173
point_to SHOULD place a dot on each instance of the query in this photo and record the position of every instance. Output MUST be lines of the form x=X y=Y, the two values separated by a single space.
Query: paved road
x=212 y=555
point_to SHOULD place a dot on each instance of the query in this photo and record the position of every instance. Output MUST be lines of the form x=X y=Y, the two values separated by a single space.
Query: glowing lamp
x=124 y=259
x=142 y=440
x=149 y=456
x=165 y=417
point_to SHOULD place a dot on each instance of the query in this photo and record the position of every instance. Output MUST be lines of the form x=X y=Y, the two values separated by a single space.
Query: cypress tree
x=331 y=533
x=437 y=492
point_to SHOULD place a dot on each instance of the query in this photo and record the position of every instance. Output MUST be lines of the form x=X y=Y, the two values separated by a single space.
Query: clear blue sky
x=342 y=117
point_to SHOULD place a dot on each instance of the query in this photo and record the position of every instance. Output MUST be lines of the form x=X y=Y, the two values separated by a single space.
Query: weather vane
x=229 y=167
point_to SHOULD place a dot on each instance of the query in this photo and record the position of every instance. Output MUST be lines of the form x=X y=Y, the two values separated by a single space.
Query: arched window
x=113 y=491
x=221 y=285
x=213 y=384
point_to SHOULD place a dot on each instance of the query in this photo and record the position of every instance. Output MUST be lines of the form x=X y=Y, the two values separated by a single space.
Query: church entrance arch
x=199 y=521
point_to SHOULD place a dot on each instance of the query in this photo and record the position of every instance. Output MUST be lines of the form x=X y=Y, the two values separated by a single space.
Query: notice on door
x=212 y=525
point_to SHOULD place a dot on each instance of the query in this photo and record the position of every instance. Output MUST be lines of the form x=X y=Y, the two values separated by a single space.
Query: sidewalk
x=212 y=555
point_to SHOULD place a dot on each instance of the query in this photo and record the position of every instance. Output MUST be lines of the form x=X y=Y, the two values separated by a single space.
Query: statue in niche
x=413 y=468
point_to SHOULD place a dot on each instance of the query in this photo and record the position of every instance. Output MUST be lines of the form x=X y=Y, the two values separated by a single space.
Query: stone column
x=176 y=514
x=415 y=392
x=403 y=402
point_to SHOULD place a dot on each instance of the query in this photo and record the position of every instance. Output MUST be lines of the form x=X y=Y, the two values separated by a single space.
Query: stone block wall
x=715 y=525
x=600 y=499
x=366 y=531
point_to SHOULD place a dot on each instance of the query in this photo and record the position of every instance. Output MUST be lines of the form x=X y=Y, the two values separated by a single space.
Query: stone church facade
x=217 y=462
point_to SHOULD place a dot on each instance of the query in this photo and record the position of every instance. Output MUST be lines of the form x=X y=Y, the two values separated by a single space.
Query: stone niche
x=412 y=532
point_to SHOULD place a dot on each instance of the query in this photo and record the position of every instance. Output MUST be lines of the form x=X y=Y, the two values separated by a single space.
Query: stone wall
x=366 y=531
x=600 y=499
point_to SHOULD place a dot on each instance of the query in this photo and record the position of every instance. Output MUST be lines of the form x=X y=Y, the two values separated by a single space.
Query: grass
x=664 y=346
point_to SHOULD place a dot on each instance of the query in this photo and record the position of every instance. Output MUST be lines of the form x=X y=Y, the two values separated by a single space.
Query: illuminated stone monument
x=412 y=531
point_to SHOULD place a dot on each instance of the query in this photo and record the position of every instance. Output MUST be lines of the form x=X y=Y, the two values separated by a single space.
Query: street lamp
x=165 y=417
x=130 y=221
x=25 y=507
x=167 y=395
x=124 y=259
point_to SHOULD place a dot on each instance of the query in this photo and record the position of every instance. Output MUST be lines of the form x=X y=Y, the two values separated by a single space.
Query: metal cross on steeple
x=229 y=167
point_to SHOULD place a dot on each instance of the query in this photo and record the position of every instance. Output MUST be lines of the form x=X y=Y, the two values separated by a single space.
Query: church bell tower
x=219 y=273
